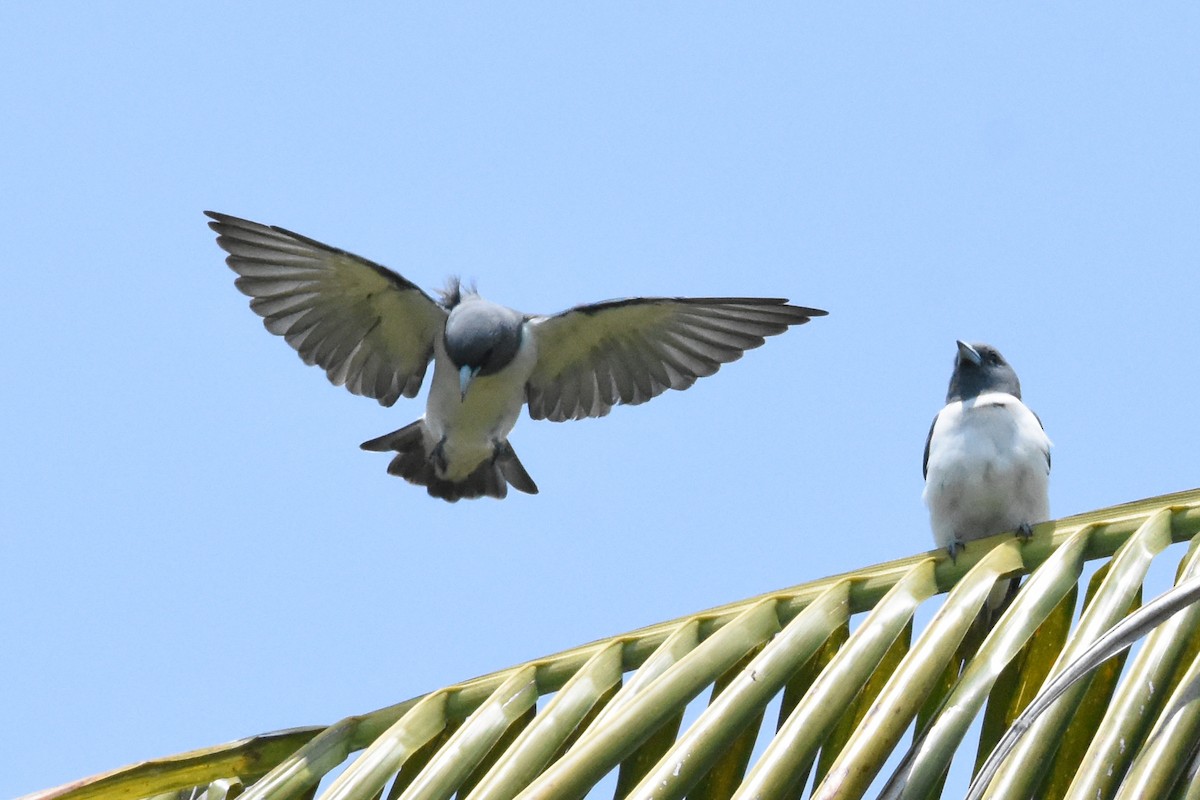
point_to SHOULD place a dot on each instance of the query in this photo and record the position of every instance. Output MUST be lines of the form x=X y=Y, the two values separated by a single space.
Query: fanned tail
x=414 y=463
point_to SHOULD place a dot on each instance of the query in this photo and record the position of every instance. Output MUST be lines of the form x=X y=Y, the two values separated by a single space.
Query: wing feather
x=370 y=329
x=628 y=351
x=690 y=363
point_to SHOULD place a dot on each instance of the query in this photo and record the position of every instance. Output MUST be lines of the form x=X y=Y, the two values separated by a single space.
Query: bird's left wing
x=366 y=326
x=1046 y=446
x=627 y=351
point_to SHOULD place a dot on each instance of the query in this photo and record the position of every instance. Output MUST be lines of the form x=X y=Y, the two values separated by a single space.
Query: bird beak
x=465 y=376
x=967 y=353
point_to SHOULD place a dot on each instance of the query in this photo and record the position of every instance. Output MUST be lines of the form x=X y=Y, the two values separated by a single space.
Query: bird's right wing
x=366 y=326
x=928 y=442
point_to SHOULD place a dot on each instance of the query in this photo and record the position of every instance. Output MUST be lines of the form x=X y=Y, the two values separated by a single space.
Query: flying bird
x=375 y=333
x=987 y=457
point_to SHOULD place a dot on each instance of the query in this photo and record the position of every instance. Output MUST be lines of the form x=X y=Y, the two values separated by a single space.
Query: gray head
x=482 y=338
x=979 y=368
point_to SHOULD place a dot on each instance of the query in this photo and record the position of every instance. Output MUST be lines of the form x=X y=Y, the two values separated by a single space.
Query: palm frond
x=1065 y=717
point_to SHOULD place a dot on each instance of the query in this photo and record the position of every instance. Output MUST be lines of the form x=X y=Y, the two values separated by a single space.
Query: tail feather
x=413 y=463
x=514 y=471
x=998 y=601
x=403 y=440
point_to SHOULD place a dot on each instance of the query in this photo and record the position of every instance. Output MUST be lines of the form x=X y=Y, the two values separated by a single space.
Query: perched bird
x=987 y=458
x=375 y=332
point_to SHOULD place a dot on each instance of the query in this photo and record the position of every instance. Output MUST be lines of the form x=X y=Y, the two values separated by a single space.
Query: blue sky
x=194 y=549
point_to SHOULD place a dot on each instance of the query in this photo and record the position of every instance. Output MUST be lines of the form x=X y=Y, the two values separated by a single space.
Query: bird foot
x=1024 y=531
x=438 y=455
x=956 y=546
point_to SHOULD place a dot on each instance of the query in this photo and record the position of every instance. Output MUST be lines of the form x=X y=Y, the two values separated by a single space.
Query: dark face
x=482 y=336
x=978 y=369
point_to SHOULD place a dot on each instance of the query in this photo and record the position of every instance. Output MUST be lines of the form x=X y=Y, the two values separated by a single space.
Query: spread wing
x=627 y=351
x=366 y=326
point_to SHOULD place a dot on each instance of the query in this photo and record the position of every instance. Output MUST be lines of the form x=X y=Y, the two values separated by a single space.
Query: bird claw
x=438 y=455
x=955 y=547
x=1024 y=531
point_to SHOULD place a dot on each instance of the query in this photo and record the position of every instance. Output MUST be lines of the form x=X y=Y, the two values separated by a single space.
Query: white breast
x=473 y=426
x=988 y=469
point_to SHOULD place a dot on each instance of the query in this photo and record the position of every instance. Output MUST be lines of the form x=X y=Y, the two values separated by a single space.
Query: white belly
x=470 y=428
x=988 y=470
